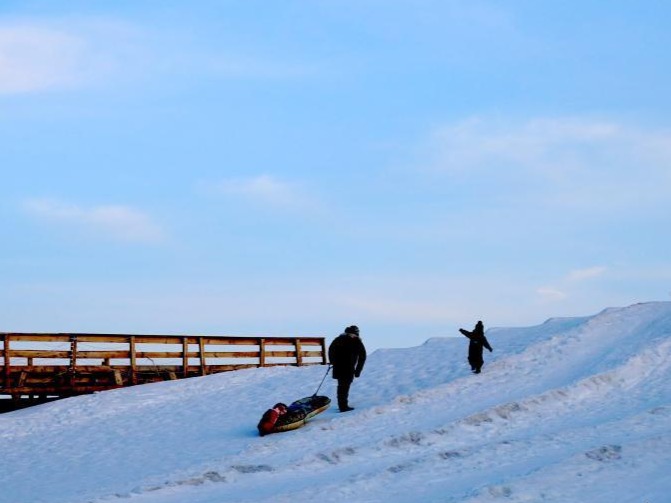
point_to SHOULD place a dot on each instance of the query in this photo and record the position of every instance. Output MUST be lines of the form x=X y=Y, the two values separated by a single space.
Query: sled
x=299 y=412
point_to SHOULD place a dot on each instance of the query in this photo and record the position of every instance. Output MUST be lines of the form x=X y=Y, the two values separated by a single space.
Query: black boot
x=343 y=394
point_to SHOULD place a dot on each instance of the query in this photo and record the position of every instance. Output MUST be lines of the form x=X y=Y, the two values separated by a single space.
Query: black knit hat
x=352 y=330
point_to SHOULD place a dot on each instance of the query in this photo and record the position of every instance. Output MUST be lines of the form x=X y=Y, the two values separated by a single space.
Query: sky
x=292 y=168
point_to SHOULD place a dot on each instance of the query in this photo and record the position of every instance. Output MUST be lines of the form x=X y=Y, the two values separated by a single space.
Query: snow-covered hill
x=573 y=410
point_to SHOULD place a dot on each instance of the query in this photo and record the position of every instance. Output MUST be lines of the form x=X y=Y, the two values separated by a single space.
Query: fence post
x=133 y=366
x=299 y=356
x=6 y=355
x=324 y=352
x=72 y=371
x=201 y=347
x=185 y=356
x=262 y=352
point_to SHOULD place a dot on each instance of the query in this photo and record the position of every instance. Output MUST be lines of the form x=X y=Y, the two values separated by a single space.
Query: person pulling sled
x=347 y=355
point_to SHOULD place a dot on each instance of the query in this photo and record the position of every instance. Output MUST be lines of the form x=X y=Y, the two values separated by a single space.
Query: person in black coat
x=477 y=342
x=347 y=355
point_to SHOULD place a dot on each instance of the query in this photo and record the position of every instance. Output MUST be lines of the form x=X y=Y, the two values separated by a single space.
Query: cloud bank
x=571 y=280
x=55 y=54
x=264 y=190
x=35 y=59
x=68 y=53
x=569 y=163
x=115 y=222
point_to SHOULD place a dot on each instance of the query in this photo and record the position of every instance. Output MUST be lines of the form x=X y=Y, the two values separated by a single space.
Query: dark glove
x=357 y=374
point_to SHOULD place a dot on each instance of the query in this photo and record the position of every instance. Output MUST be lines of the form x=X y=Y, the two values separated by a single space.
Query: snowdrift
x=575 y=409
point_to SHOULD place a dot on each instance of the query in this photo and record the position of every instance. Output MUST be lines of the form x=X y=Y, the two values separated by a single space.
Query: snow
x=573 y=410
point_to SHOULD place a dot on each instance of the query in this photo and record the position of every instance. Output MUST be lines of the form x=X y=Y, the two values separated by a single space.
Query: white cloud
x=551 y=294
x=263 y=187
x=572 y=163
x=570 y=280
x=479 y=144
x=115 y=222
x=34 y=59
x=266 y=190
x=588 y=273
x=38 y=55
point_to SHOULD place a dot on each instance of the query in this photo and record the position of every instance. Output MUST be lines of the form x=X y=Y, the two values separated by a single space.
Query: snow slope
x=573 y=410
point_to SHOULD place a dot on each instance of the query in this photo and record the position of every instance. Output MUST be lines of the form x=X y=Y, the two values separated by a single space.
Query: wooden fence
x=39 y=366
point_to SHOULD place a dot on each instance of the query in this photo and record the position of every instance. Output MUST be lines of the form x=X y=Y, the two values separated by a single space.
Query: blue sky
x=290 y=168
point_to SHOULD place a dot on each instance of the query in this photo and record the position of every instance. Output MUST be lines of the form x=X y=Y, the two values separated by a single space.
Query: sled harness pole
x=320 y=384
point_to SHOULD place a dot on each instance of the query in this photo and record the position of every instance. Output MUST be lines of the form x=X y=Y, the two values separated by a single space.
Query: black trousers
x=343 y=392
x=475 y=356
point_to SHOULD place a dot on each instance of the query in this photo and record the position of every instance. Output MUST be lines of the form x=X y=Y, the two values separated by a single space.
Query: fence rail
x=67 y=364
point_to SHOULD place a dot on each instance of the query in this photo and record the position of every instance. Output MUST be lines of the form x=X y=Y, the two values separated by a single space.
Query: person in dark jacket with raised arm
x=477 y=342
x=347 y=355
